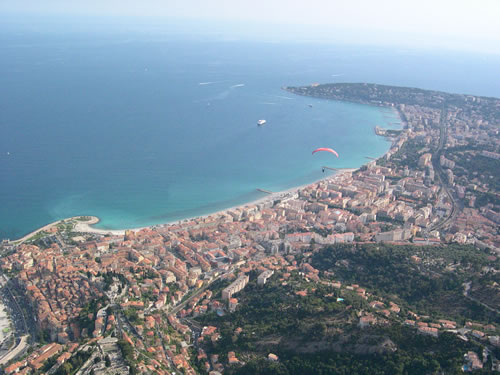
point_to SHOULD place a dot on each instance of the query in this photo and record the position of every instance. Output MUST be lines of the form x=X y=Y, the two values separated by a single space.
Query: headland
x=400 y=251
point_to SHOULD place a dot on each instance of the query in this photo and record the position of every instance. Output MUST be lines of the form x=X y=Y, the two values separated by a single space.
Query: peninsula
x=391 y=266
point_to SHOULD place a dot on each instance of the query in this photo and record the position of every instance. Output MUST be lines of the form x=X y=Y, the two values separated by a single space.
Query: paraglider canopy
x=326 y=149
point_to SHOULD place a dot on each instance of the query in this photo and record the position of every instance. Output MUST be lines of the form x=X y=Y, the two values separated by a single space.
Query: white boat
x=261 y=122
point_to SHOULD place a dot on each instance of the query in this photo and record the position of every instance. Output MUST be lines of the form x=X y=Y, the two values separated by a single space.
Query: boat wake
x=280 y=97
x=210 y=83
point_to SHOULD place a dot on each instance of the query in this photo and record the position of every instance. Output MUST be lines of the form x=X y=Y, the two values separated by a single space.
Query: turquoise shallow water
x=143 y=130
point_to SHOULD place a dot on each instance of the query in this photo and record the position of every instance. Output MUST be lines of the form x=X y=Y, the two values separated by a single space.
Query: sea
x=148 y=128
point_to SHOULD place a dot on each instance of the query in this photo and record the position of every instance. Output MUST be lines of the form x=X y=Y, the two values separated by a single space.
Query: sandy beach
x=87 y=226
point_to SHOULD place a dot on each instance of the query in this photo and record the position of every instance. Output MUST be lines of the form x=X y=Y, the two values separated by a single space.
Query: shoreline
x=87 y=226
x=41 y=229
x=270 y=197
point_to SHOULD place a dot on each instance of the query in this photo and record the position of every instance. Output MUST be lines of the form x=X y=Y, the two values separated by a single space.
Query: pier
x=330 y=168
x=265 y=191
x=369 y=157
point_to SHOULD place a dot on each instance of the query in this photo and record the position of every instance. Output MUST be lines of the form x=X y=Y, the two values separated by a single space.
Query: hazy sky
x=456 y=23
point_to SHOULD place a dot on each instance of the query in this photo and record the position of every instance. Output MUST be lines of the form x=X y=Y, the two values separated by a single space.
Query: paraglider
x=326 y=149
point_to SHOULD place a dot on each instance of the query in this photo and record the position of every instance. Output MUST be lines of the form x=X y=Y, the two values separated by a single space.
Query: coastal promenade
x=80 y=226
x=35 y=232
x=87 y=226
x=163 y=275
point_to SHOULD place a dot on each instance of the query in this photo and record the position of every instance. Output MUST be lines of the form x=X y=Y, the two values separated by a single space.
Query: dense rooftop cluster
x=145 y=287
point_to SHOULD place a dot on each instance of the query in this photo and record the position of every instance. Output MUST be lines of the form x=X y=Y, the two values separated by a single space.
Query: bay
x=144 y=129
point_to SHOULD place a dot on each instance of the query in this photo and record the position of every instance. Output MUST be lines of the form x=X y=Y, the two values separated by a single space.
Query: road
x=466 y=295
x=46 y=227
x=165 y=349
x=123 y=321
x=180 y=306
x=196 y=329
x=443 y=135
x=17 y=313
x=19 y=349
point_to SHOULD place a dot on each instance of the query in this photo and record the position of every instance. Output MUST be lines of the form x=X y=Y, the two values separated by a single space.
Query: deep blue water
x=119 y=126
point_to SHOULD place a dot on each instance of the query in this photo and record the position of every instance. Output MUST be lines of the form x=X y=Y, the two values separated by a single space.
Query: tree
x=318 y=329
x=67 y=368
